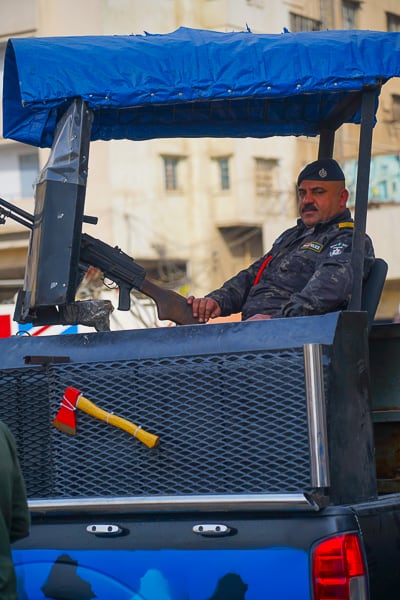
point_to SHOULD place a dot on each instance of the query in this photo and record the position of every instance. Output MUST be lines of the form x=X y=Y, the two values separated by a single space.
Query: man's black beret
x=324 y=169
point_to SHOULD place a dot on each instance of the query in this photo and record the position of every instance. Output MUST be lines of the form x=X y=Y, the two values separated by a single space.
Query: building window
x=300 y=23
x=28 y=171
x=223 y=170
x=265 y=174
x=392 y=22
x=268 y=199
x=19 y=168
x=350 y=14
x=171 y=173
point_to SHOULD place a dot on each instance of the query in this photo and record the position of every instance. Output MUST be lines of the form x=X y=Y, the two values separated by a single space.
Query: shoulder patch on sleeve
x=346 y=224
x=338 y=248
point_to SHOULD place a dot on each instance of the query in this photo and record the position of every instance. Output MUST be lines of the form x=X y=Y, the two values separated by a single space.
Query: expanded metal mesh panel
x=25 y=408
x=232 y=423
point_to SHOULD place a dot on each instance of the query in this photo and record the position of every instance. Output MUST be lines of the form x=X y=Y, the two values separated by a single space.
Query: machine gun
x=127 y=274
x=116 y=266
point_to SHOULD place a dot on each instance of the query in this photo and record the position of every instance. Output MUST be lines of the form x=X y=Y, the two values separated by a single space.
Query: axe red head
x=65 y=419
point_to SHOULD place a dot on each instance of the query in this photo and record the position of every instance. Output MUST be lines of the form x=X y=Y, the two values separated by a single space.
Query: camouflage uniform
x=309 y=273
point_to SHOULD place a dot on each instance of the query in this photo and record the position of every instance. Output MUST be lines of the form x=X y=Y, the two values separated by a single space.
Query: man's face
x=320 y=201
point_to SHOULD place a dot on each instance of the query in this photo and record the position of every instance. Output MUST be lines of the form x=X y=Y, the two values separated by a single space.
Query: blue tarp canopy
x=194 y=83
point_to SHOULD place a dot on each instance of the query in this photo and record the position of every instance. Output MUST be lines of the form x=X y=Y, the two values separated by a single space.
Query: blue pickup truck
x=272 y=466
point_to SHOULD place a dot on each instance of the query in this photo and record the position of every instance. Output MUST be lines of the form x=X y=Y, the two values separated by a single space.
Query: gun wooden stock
x=170 y=305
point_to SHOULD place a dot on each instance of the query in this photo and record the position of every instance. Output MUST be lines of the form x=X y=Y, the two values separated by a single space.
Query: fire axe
x=65 y=419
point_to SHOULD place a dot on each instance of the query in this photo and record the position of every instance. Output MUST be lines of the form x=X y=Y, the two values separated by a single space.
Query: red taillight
x=336 y=563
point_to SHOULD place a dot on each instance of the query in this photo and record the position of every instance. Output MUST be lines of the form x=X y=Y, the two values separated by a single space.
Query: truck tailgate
x=180 y=557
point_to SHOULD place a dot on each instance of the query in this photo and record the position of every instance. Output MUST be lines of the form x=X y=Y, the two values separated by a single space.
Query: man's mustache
x=308 y=207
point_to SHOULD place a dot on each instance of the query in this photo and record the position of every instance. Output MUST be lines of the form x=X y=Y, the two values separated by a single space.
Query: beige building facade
x=194 y=211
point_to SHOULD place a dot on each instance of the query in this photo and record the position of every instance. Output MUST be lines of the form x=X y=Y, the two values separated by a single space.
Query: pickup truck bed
x=265 y=461
x=201 y=555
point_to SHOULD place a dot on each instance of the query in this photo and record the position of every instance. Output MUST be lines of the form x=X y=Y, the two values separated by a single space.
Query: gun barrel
x=127 y=274
x=21 y=216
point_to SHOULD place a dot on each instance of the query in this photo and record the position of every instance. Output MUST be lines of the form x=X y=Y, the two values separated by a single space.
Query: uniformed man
x=308 y=269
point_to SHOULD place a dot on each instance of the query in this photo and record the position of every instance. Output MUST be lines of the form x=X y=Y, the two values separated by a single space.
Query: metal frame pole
x=316 y=414
x=361 y=201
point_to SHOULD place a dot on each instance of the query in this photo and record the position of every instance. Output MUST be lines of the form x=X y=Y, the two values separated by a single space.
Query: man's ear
x=344 y=196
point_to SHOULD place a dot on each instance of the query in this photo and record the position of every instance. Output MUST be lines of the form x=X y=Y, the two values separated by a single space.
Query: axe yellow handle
x=149 y=439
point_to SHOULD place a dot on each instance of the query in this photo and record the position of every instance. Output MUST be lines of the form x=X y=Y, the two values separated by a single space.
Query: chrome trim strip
x=173 y=503
x=316 y=414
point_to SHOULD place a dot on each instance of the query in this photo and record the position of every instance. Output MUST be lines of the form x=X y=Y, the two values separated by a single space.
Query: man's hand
x=259 y=317
x=204 y=308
